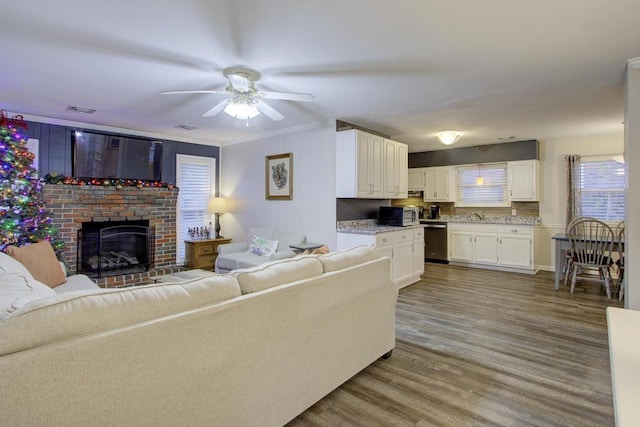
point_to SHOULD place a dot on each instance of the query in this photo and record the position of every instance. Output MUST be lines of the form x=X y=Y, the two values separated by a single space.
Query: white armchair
x=232 y=256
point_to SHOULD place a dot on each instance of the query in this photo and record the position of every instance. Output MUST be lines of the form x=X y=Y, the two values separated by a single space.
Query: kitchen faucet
x=479 y=215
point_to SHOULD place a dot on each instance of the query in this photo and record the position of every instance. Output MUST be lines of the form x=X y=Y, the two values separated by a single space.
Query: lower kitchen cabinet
x=504 y=247
x=405 y=247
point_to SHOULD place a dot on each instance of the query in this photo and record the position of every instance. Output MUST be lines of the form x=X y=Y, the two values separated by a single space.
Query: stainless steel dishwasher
x=435 y=241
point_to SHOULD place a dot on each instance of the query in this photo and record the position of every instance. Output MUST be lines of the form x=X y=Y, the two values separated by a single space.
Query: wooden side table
x=202 y=254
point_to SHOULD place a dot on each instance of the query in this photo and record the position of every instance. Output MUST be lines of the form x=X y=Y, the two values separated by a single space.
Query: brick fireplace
x=72 y=205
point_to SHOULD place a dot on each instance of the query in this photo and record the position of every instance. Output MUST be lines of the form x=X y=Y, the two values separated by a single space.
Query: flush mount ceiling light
x=449 y=137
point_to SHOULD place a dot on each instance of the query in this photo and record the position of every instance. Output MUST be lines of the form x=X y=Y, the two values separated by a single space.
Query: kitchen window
x=482 y=185
x=602 y=186
x=195 y=177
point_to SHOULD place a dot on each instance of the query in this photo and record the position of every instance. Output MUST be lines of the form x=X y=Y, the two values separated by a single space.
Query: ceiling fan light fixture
x=449 y=137
x=241 y=110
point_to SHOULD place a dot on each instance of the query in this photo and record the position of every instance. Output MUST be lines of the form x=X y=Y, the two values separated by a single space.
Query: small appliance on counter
x=434 y=211
x=401 y=216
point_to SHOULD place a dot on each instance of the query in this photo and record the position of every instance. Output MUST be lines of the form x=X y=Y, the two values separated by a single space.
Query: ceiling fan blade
x=239 y=82
x=268 y=110
x=289 y=96
x=215 y=110
x=177 y=92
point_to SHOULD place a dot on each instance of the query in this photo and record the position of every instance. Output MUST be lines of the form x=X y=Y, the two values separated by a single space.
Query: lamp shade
x=449 y=137
x=242 y=110
x=217 y=205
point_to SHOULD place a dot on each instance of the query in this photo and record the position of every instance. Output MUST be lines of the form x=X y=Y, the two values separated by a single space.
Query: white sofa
x=252 y=348
x=232 y=256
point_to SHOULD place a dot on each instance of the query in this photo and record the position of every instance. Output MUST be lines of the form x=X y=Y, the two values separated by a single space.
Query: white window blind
x=602 y=189
x=491 y=192
x=195 y=178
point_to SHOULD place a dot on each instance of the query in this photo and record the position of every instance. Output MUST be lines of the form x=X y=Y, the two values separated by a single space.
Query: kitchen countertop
x=489 y=219
x=368 y=226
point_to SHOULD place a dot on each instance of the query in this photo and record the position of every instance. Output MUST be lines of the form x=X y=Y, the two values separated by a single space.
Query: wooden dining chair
x=591 y=243
x=568 y=256
x=620 y=261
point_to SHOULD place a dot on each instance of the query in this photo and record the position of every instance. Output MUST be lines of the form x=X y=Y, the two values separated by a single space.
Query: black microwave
x=398 y=215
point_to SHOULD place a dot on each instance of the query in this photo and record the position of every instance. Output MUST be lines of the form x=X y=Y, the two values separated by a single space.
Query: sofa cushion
x=9 y=264
x=277 y=273
x=17 y=290
x=262 y=247
x=75 y=283
x=76 y=314
x=41 y=262
x=346 y=258
x=287 y=238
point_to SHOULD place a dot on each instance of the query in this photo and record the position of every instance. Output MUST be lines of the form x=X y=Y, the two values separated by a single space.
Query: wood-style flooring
x=484 y=348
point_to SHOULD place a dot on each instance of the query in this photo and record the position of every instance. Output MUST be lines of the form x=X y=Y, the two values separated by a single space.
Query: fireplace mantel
x=71 y=205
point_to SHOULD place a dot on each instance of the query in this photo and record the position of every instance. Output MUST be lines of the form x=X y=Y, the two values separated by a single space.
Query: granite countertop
x=367 y=226
x=370 y=226
x=489 y=219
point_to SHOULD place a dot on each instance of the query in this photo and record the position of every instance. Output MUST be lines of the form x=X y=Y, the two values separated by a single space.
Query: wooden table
x=562 y=245
x=202 y=253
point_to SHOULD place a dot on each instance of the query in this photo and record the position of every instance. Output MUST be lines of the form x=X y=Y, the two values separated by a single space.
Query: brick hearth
x=71 y=205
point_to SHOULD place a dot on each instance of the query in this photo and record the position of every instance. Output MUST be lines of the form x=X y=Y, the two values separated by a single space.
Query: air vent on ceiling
x=186 y=127
x=83 y=110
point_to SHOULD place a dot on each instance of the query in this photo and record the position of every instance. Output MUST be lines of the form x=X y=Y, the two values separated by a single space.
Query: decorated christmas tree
x=23 y=216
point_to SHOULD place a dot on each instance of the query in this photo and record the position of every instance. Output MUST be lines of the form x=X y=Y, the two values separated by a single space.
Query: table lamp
x=217 y=206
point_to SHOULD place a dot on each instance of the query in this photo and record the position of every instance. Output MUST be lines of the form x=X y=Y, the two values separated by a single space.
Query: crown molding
x=634 y=62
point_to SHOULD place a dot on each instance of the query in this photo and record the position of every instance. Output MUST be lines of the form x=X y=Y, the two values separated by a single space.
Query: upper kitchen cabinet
x=523 y=180
x=416 y=179
x=370 y=167
x=359 y=165
x=396 y=169
x=439 y=186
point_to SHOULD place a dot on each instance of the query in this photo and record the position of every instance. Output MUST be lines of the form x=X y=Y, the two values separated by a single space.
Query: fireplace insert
x=110 y=248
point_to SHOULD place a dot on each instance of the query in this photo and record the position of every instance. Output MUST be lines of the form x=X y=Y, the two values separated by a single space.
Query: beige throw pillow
x=41 y=262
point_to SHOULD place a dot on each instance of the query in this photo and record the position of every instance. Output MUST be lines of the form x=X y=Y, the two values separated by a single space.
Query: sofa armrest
x=288 y=253
x=64 y=268
x=228 y=248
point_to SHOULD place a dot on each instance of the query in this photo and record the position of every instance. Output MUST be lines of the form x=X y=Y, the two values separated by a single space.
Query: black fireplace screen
x=114 y=248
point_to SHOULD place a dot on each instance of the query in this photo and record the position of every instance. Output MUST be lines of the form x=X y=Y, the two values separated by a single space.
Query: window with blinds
x=482 y=185
x=602 y=186
x=195 y=177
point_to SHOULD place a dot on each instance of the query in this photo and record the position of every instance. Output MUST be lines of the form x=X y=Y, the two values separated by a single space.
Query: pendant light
x=479 y=179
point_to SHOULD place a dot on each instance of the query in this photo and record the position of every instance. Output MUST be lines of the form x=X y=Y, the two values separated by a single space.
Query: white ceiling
x=531 y=69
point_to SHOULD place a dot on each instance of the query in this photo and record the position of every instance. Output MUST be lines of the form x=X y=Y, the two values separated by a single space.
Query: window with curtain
x=482 y=185
x=195 y=178
x=602 y=188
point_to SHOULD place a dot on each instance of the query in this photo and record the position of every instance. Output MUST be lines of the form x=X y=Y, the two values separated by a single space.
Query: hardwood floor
x=484 y=348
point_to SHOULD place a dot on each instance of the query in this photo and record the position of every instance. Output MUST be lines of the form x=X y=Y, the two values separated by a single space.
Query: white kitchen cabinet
x=359 y=165
x=402 y=246
x=460 y=244
x=418 y=252
x=523 y=180
x=516 y=247
x=505 y=247
x=396 y=162
x=485 y=247
x=473 y=243
x=438 y=184
x=416 y=179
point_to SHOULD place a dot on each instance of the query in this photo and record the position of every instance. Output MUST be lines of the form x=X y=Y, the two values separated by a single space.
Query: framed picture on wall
x=279 y=177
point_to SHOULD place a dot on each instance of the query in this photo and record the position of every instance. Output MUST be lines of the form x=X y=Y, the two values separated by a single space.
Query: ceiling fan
x=245 y=100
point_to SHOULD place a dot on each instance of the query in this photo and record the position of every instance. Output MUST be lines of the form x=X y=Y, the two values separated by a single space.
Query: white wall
x=313 y=208
x=553 y=180
x=632 y=205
